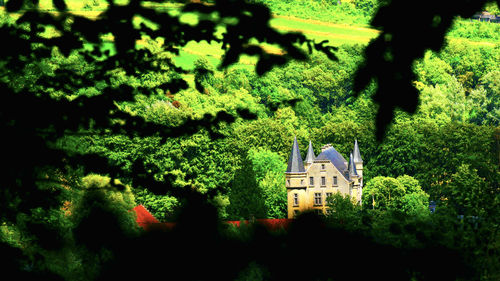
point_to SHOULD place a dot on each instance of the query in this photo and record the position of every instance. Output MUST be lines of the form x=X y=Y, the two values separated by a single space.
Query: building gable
x=326 y=168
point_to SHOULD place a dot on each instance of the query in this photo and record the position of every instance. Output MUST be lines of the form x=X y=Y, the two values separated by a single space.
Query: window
x=335 y=180
x=317 y=198
x=311 y=181
x=323 y=181
x=295 y=199
x=301 y=182
x=322 y=166
x=328 y=194
x=288 y=182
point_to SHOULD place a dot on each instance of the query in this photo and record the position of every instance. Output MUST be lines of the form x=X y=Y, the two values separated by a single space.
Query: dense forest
x=189 y=126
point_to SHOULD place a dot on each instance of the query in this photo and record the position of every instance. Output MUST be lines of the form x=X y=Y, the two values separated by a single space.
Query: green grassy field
x=336 y=34
x=318 y=31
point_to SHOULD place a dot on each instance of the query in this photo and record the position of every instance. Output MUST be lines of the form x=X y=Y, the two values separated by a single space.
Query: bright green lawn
x=336 y=34
x=323 y=27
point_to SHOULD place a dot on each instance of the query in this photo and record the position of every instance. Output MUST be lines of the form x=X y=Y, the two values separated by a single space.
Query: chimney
x=325 y=147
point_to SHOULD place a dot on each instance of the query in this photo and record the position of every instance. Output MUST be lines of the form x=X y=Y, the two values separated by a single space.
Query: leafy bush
x=475 y=30
x=357 y=12
x=403 y=193
x=161 y=207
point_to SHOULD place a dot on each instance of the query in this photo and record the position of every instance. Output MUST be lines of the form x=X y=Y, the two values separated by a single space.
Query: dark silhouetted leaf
x=60 y=5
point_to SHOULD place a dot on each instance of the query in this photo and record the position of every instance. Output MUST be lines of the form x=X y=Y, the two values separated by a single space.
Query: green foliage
x=492 y=8
x=403 y=193
x=468 y=193
x=253 y=272
x=470 y=62
x=275 y=195
x=269 y=171
x=264 y=162
x=319 y=83
x=203 y=75
x=344 y=212
x=101 y=218
x=341 y=135
x=113 y=191
x=57 y=246
x=445 y=103
x=402 y=150
x=102 y=196
x=487 y=100
x=383 y=193
x=257 y=189
x=246 y=198
x=415 y=202
x=162 y=207
x=431 y=153
x=359 y=12
x=266 y=133
x=433 y=70
x=458 y=144
x=236 y=79
x=368 y=7
x=475 y=30
x=473 y=238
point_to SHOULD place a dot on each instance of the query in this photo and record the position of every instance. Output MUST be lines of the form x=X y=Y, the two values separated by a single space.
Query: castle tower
x=358 y=161
x=295 y=181
x=355 y=190
x=352 y=167
x=309 y=157
x=353 y=173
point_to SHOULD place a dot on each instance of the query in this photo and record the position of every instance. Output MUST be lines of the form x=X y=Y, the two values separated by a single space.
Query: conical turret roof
x=295 y=164
x=356 y=154
x=352 y=166
x=310 y=154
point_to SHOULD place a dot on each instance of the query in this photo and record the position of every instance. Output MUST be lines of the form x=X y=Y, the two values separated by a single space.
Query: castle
x=311 y=181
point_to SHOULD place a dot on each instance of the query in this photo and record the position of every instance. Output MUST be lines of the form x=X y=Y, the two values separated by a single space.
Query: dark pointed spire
x=356 y=154
x=352 y=166
x=310 y=154
x=295 y=164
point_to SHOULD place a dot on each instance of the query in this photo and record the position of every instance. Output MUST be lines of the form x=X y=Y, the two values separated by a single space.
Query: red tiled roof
x=147 y=221
x=269 y=224
x=144 y=217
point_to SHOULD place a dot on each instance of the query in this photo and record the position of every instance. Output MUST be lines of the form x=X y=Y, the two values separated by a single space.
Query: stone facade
x=309 y=182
